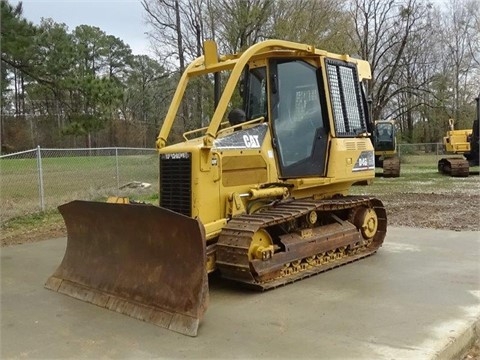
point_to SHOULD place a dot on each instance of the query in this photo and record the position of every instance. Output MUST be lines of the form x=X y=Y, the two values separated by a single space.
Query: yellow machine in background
x=457 y=142
x=385 y=144
x=263 y=201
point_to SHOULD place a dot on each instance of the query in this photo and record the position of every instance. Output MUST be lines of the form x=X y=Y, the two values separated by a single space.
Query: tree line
x=84 y=87
x=79 y=88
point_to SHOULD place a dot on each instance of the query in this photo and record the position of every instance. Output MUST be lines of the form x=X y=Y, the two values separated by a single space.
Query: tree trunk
x=15 y=81
x=181 y=58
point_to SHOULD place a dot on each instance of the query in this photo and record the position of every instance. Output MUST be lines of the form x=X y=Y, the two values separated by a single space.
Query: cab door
x=299 y=120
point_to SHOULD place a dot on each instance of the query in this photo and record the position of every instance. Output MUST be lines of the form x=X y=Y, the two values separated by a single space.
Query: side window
x=256 y=103
x=348 y=112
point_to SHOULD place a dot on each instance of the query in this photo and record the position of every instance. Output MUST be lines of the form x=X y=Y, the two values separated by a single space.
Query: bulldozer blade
x=140 y=260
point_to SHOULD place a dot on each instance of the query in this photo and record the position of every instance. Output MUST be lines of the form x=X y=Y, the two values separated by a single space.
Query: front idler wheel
x=366 y=221
x=261 y=247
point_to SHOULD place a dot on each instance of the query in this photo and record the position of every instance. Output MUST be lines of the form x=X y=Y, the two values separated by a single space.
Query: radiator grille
x=350 y=145
x=356 y=145
x=362 y=145
x=175 y=182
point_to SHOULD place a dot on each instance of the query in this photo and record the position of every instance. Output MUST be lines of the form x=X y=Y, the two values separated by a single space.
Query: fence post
x=40 y=179
x=117 y=171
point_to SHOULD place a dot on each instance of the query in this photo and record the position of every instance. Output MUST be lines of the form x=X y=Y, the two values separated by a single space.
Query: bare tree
x=382 y=31
x=167 y=31
x=461 y=40
x=241 y=23
x=323 y=23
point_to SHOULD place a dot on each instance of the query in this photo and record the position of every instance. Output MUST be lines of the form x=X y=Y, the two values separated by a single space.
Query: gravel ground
x=474 y=352
x=455 y=211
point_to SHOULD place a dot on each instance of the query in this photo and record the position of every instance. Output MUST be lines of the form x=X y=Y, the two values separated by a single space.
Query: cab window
x=298 y=112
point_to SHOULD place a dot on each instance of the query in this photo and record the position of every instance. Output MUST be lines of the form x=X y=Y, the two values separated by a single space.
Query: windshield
x=384 y=131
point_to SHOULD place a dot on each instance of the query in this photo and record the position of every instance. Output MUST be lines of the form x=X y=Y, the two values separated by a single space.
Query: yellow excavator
x=260 y=195
x=464 y=143
x=385 y=143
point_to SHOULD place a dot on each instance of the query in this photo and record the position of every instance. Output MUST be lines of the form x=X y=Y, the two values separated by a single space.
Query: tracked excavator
x=385 y=144
x=464 y=143
x=262 y=199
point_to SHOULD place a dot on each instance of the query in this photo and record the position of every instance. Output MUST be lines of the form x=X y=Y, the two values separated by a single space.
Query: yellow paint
x=456 y=141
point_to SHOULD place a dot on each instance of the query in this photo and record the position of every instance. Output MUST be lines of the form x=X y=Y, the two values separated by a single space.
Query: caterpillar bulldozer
x=260 y=195
x=464 y=143
x=385 y=144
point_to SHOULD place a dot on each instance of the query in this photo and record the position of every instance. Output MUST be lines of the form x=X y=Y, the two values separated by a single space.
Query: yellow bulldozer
x=385 y=144
x=260 y=195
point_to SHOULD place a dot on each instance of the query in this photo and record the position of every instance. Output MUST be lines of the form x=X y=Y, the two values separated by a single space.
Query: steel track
x=235 y=239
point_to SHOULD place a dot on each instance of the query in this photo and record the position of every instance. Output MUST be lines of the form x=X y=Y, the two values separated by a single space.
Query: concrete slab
x=418 y=297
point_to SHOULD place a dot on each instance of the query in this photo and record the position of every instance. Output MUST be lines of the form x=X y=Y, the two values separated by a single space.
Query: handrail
x=199 y=129
x=221 y=131
x=249 y=122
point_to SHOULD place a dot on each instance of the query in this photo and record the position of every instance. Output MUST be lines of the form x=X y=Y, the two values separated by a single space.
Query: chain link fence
x=420 y=158
x=412 y=150
x=41 y=179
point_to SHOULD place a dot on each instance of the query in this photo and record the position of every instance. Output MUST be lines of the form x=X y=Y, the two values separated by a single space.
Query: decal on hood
x=251 y=138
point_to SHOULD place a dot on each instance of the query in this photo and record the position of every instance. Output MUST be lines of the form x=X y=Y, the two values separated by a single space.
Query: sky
x=121 y=18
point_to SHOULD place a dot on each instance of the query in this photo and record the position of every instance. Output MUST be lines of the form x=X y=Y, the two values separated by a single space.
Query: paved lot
x=417 y=298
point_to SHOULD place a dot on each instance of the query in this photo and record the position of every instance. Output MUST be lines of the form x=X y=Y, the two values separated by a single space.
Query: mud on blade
x=140 y=260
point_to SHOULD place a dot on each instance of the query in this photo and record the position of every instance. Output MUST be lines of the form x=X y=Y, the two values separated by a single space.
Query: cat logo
x=251 y=141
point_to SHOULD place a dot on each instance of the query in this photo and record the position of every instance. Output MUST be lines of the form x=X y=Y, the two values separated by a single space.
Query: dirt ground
x=474 y=352
x=50 y=230
x=454 y=211
x=459 y=212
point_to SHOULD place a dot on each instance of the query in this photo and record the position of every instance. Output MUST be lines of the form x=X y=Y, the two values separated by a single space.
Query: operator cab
x=384 y=136
x=290 y=94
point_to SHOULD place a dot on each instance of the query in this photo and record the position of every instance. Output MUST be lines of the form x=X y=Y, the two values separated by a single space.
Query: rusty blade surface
x=140 y=260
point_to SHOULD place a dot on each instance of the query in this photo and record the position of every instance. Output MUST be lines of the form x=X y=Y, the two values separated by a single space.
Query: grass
x=32 y=227
x=420 y=175
x=69 y=178
x=47 y=224
x=31 y=221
